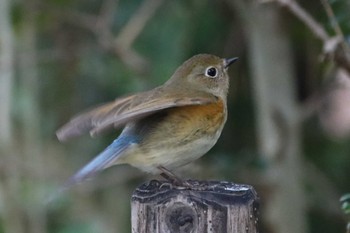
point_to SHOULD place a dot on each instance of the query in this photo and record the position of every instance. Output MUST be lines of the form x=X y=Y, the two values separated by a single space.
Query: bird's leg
x=171 y=177
x=168 y=175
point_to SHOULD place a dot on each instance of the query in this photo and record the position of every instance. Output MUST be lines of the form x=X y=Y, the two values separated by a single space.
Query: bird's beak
x=229 y=61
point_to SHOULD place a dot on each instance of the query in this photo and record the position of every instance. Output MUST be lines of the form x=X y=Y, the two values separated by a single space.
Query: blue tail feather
x=101 y=161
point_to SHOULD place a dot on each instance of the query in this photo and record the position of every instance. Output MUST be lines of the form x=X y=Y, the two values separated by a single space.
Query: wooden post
x=206 y=207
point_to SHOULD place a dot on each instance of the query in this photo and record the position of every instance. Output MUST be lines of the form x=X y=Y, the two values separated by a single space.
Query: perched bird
x=166 y=127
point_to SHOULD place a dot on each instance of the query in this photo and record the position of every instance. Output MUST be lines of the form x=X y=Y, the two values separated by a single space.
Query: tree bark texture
x=207 y=206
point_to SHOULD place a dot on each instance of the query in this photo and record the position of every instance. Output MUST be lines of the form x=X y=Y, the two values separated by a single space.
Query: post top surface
x=224 y=190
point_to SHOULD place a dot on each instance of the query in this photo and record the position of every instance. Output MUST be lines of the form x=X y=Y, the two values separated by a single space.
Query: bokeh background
x=289 y=105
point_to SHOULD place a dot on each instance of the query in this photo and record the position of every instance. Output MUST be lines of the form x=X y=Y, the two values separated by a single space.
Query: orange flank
x=199 y=119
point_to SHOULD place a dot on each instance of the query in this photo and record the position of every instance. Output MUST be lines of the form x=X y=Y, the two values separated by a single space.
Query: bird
x=164 y=128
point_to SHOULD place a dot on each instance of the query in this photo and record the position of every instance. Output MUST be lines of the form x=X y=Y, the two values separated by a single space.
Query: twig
x=333 y=20
x=120 y=45
x=106 y=13
x=106 y=39
x=332 y=46
x=304 y=16
x=137 y=22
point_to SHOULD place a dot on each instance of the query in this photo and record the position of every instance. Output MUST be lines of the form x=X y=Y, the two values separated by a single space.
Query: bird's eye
x=211 y=72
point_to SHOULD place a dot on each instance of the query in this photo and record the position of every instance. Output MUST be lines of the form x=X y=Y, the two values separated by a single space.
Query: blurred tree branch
x=10 y=214
x=137 y=22
x=6 y=72
x=334 y=22
x=333 y=46
x=304 y=16
x=121 y=44
x=277 y=124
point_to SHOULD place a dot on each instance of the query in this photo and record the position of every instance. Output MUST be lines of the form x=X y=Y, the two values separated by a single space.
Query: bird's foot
x=174 y=179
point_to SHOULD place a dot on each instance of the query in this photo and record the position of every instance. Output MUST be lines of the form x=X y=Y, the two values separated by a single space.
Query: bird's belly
x=172 y=158
x=180 y=137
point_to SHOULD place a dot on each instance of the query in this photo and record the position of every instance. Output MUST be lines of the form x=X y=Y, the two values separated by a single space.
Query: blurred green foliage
x=345 y=201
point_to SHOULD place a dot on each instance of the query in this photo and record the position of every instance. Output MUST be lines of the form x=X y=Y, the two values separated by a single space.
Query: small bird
x=164 y=128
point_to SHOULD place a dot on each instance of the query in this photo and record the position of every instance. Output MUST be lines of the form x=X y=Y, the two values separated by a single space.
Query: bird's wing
x=128 y=109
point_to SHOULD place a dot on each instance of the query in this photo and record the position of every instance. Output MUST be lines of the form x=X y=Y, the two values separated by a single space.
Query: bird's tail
x=105 y=159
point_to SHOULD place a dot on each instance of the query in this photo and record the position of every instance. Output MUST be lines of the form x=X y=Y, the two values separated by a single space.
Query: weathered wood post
x=208 y=206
